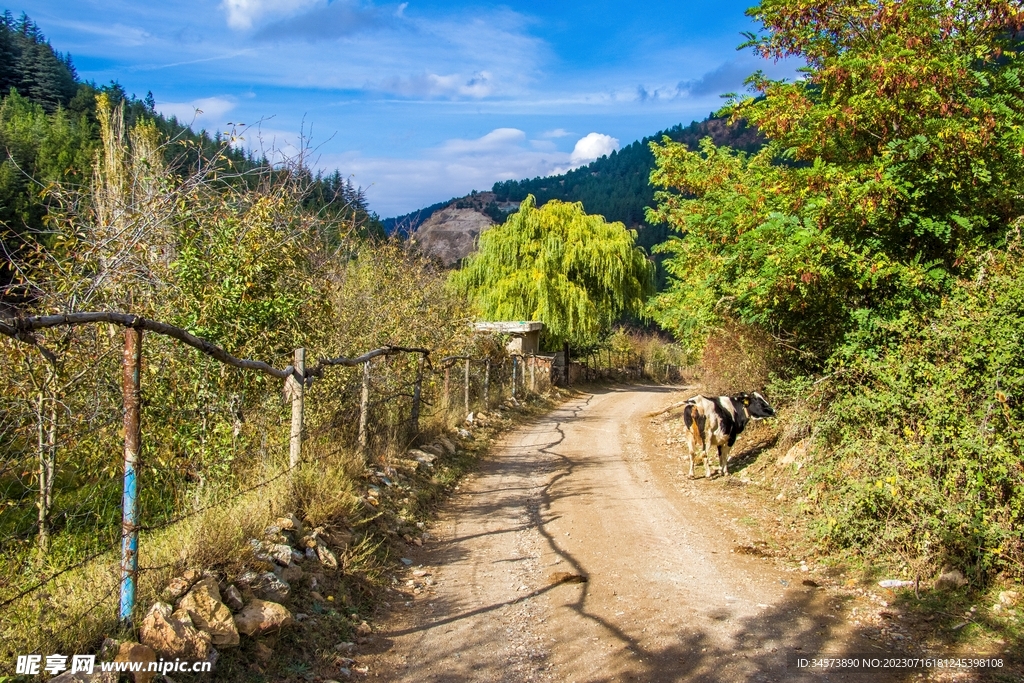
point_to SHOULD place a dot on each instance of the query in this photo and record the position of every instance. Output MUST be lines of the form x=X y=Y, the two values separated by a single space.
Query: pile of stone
x=199 y=613
x=427 y=454
x=285 y=547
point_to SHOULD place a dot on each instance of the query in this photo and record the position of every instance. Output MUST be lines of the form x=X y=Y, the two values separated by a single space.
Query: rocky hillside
x=450 y=234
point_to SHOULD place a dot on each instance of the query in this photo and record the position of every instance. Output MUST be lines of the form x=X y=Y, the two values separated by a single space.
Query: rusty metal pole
x=364 y=407
x=297 y=389
x=131 y=390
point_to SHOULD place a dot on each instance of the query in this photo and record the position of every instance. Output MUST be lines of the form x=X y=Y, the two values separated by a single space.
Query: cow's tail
x=691 y=414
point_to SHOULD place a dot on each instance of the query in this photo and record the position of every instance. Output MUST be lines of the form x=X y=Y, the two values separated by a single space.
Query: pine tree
x=8 y=55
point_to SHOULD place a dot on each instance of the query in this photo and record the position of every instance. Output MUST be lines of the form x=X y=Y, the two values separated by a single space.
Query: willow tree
x=574 y=272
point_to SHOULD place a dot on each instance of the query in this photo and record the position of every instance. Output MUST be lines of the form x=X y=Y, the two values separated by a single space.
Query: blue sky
x=423 y=100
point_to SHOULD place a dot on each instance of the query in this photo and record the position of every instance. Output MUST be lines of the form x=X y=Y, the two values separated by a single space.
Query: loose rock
x=292 y=573
x=566 y=577
x=96 y=677
x=289 y=522
x=233 y=599
x=422 y=456
x=262 y=616
x=950 y=580
x=327 y=558
x=281 y=553
x=137 y=652
x=177 y=587
x=171 y=638
x=209 y=614
x=270 y=587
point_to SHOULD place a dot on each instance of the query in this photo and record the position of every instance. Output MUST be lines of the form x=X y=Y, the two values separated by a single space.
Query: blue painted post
x=130 y=387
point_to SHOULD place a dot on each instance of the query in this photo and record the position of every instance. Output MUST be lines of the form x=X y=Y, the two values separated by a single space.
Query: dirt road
x=593 y=490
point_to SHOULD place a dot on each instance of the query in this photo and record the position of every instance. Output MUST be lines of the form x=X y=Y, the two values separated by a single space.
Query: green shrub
x=924 y=439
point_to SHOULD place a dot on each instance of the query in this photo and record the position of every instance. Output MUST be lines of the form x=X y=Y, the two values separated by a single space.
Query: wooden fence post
x=417 y=391
x=515 y=367
x=466 y=383
x=364 y=407
x=47 y=451
x=565 y=347
x=297 y=389
x=131 y=391
x=487 y=383
x=447 y=387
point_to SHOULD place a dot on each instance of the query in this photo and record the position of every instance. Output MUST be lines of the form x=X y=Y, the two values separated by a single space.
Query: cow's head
x=756 y=405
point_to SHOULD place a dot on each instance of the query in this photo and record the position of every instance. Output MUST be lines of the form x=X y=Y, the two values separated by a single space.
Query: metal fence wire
x=158 y=444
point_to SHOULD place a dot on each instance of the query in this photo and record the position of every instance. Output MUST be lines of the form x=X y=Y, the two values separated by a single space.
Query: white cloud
x=242 y=14
x=395 y=186
x=205 y=112
x=480 y=84
x=556 y=133
x=332 y=21
x=130 y=36
x=592 y=146
x=497 y=140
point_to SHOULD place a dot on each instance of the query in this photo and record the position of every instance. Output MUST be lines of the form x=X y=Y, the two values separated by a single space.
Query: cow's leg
x=691 y=443
x=709 y=447
x=723 y=458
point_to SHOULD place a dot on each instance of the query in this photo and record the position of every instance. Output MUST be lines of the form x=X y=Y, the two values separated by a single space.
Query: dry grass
x=738 y=358
x=77 y=610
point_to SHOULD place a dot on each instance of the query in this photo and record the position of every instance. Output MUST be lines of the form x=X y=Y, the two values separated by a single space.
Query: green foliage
x=925 y=441
x=867 y=240
x=574 y=272
x=39 y=149
x=258 y=265
x=894 y=161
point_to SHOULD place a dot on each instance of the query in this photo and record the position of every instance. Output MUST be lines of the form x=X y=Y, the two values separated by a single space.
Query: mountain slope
x=617 y=186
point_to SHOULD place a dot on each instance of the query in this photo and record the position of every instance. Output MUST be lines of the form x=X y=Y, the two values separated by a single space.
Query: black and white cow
x=714 y=422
